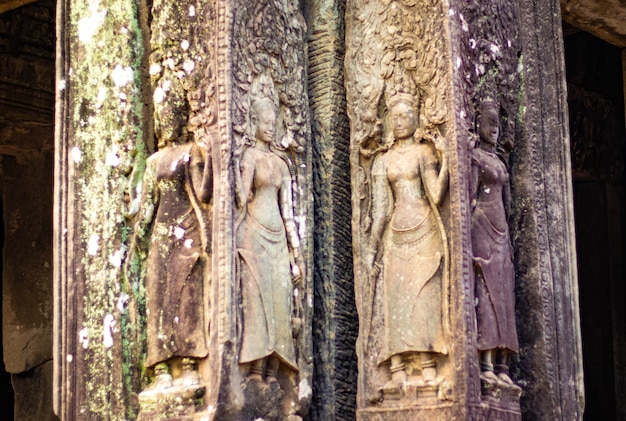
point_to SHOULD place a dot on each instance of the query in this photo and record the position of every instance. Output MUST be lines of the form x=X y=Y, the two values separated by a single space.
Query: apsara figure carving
x=493 y=260
x=408 y=183
x=271 y=263
x=172 y=232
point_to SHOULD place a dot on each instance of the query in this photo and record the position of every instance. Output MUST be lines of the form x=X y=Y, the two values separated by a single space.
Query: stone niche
x=189 y=135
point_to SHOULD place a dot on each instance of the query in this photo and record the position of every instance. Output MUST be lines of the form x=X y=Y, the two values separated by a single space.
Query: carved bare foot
x=256 y=371
x=399 y=377
x=271 y=372
x=162 y=377
x=190 y=377
x=488 y=376
x=504 y=378
x=429 y=374
x=390 y=388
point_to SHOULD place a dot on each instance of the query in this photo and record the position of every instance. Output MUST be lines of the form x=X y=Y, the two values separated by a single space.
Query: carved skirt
x=412 y=290
x=495 y=281
x=266 y=290
x=175 y=292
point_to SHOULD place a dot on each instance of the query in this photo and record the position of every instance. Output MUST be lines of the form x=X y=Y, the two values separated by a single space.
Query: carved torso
x=492 y=178
x=495 y=308
x=268 y=175
x=403 y=173
x=265 y=269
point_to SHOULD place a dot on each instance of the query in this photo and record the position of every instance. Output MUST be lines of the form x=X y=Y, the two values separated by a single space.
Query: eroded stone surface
x=603 y=18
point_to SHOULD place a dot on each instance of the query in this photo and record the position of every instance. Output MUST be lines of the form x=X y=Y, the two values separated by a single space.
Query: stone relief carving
x=270 y=162
x=408 y=183
x=267 y=241
x=172 y=238
x=491 y=67
x=397 y=88
x=492 y=253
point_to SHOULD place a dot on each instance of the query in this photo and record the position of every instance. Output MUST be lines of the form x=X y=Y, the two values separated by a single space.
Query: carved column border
x=101 y=128
x=547 y=297
x=60 y=387
x=335 y=319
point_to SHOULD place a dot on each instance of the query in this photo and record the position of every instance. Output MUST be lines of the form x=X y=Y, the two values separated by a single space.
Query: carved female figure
x=407 y=187
x=177 y=185
x=265 y=237
x=493 y=264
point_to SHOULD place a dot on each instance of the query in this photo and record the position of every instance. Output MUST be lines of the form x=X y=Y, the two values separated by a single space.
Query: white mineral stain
x=304 y=389
x=184 y=44
x=93 y=244
x=109 y=324
x=179 y=232
x=83 y=337
x=89 y=25
x=122 y=75
x=189 y=65
x=159 y=95
x=77 y=155
x=62 y=84
x=463 y=23
x=69 y=358
x=188 y=243
x=112 y=158
x=155 y=69
x=116 y=258
x=122 y=301
x=458 y=62
x=101 y=97
x=192 y=11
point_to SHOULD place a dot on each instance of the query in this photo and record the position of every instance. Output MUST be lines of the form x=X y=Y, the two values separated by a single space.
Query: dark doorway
x=6 y=390
x=27 y=39
x=596 y=110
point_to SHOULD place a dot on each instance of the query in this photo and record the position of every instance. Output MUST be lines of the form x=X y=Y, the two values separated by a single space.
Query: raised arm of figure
x=244 y=175
x=436 y=182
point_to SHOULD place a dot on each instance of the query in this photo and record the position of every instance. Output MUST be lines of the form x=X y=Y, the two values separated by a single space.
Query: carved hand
x=298 y=272
x=368 y=258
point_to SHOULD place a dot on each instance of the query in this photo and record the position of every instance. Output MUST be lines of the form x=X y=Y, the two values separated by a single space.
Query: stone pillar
x=101 y=134
x=183 y=283
x=448 y=64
